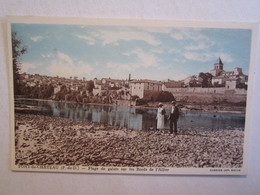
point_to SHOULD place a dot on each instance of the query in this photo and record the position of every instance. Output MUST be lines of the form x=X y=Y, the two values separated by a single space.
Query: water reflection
x=134 y=118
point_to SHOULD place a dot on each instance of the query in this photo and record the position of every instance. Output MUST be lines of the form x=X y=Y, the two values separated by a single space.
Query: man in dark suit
x=174 y=116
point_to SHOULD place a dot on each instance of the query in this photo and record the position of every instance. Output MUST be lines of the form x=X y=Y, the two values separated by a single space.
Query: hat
x=173 y=102
x=160 y=104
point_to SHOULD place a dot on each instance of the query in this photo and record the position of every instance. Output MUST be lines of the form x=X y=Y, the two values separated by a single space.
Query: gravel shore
x=44 y=140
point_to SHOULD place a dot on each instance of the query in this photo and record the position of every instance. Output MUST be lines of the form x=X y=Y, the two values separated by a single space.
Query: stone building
x=228 y=79
x=145 y=89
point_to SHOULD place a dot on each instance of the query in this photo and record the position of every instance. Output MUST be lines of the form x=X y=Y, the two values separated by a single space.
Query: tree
x=18 y=50
x=206 y=79
x=90 y=86
x=141 y=102
x=134 y=97
x=165 y=96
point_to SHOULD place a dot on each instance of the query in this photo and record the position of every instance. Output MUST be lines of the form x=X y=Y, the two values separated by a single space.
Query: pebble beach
x=44 y=140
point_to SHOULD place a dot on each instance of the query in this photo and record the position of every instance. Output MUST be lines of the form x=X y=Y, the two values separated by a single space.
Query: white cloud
x=195 y=39
x=65 y=66
x=65 y=58
x=90 y=40
x=195 y=56
x=180 y=60
x=198 y=36
x=224 y=56
x=26 y=67
x=207 y=56
x=113 y=37
x=144 y=59
x=112 y=65
x=200 y=42
x=117 y=70
x=158 y=51
x=36 y=38
x=46 y=55
x=178 y=36
x=198 y=46
x=174 y=50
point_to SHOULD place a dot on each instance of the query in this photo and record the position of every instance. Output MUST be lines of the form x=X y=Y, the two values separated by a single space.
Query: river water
x=133 y=118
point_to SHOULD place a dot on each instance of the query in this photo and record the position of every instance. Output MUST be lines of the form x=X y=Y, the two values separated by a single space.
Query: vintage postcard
x=130 y=96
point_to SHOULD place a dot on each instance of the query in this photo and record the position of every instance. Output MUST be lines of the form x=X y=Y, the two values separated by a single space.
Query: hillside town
x=217 y=82
x=54 y=140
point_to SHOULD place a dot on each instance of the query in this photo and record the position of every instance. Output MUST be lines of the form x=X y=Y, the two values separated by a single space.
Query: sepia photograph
x=129 y=96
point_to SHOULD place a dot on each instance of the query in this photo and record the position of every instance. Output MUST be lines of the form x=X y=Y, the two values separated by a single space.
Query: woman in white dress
x=160 y=117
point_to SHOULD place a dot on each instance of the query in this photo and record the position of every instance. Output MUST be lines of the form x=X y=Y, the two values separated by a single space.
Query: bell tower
x=218 y=68
x=218 y=65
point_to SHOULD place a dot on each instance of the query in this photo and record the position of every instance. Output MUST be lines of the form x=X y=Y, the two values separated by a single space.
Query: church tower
x=218 y=68
x=218 y=65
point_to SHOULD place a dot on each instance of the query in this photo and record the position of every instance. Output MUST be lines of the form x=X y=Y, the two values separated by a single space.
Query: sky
x=156 y=53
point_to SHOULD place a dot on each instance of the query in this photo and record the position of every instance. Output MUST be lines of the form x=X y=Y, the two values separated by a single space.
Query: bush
x=141 y=102
x=134 y=97
x=165 y=96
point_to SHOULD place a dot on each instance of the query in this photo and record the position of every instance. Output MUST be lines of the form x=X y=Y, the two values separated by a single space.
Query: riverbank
x=204 y=107
x=43 y=140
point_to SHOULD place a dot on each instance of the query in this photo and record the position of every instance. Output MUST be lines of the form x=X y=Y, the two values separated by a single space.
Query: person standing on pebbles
x=174 y=116
x=160 y=117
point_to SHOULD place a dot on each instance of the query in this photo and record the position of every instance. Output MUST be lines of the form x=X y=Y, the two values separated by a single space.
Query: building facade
x=145 y=89
x=228 y=79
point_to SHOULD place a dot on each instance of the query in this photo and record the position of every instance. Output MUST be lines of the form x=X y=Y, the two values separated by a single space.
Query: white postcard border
x=144 y=23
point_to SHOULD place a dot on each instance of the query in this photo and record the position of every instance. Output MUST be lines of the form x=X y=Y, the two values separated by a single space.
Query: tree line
x=40 y=91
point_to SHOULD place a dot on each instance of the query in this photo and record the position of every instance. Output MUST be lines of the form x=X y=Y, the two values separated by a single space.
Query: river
x=132 y=117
